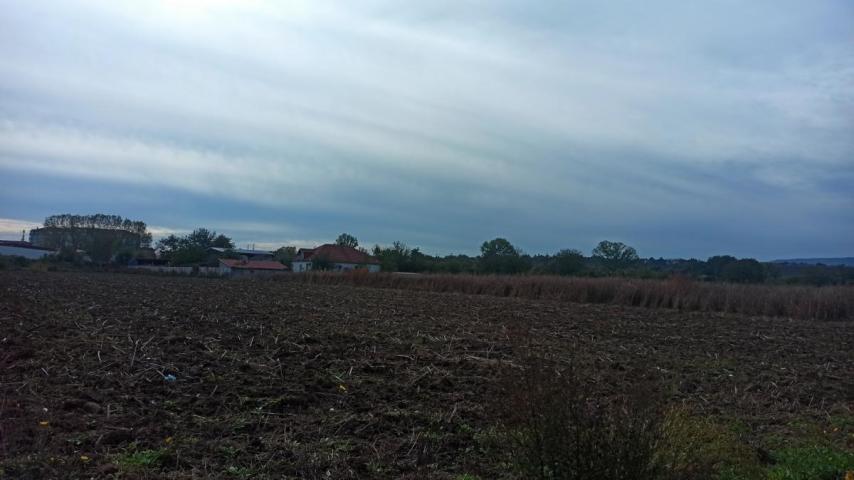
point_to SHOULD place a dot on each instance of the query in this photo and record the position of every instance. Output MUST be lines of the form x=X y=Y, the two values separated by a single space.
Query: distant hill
x=843 y=261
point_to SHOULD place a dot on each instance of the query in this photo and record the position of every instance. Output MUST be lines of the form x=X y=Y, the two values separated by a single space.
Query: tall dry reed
x=803 y=302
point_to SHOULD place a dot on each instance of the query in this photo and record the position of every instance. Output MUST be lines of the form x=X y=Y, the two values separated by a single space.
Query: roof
x=339 y=254
x=242 y=251
x=253 y=264
x=20 y=244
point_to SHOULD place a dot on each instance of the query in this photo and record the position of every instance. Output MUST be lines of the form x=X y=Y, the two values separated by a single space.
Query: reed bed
x=802 y=302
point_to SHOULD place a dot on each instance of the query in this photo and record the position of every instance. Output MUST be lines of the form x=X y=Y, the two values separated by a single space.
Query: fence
x=210 y=271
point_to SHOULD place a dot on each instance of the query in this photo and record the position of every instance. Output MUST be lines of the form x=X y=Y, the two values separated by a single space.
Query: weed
x=239 y=472
x=229 y=451
x=811 y=463
x=698 y=448
x=141 y=459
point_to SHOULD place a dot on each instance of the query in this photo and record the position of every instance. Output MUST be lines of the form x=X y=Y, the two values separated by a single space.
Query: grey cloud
x=625 y=114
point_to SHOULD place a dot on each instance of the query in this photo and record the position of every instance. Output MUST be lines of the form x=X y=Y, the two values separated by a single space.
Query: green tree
x=84 y=231
x=201 y=238
x=500 y=256
x=615 y=256
x=321 y=264
x=746 y=270
x=192 y=248
x=397 y=258
x=285 y=255
x=169 y=244
x=716 y=265
x=222 y=241
x=347 y=240
x=102 y=248
x=568 y=262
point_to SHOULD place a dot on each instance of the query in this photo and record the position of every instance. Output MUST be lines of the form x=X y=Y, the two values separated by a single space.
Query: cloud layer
x=679 y=129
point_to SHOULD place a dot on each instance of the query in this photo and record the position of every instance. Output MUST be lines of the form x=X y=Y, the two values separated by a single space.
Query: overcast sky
x=680 y=129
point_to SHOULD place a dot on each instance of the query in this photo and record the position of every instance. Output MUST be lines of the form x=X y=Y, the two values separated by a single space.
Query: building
x=23 y=249
x=242 y=268
x=244 y=254
x=334 y=257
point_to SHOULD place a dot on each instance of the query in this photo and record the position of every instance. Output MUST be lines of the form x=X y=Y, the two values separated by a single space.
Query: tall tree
x=221 y=241
x=500 y=256
x=568 y=262
x=347 y=240
x=99 y=231
x=615 y=256
x=285 y=255
x=193 y=247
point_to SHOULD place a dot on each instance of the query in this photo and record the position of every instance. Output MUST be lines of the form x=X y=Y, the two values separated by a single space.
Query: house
x=242 y=268
x=244 y=254
x=336 y=257
x=24 y=249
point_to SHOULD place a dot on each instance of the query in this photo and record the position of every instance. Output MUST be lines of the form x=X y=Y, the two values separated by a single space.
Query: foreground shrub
x=554 y=427
x=555 y=430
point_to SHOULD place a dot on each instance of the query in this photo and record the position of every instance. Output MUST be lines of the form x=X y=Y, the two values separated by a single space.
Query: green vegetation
x=615 y=256
x=110 y=238
x=811 y=463
x=285 y=255
x=347 y=240
x=552 y=429
x=101 y=236
x=141 y=459
x=500 y=256
x=192 y=248
x=239 y=472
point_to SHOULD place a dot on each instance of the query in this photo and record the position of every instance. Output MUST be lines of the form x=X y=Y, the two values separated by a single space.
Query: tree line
x=113 y=238
x=499 y=256
x=608 y=258
x=193 y=248
x=101 y=236
x=99 y=221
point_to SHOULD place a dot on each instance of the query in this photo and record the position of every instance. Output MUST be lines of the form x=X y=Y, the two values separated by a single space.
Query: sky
x=683 y=129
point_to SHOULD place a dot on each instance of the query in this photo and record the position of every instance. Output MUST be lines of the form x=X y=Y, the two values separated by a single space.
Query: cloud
x=444 y=122
x=10 y=229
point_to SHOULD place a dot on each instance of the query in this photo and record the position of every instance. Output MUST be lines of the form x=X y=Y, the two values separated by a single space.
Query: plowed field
x=156 y=377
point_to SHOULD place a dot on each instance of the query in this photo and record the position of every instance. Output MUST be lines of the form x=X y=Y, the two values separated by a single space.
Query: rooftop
x=242 y=251
x=253 y=264
x=338 y=254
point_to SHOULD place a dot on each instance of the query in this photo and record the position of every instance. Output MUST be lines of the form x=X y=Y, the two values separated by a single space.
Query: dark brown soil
x=282 y=379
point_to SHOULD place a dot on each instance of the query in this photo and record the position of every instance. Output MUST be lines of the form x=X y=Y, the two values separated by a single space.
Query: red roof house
x=251 y=267
x=338 y=257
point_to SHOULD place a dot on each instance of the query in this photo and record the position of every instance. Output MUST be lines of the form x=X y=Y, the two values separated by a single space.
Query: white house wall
x=340 y=267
